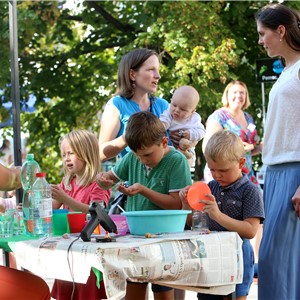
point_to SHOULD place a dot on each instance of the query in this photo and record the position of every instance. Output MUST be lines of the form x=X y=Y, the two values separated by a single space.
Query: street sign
x=268 y=69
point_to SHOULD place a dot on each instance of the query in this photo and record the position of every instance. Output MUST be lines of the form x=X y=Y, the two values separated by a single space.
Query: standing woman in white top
x=279 y=260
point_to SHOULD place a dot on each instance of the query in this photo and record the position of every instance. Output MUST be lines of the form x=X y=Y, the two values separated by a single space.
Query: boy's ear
x=165 y=141
x=242 y=162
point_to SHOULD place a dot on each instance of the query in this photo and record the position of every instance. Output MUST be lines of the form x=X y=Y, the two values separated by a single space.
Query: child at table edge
x=236 y=203
x=155 y=172
x=81 y=160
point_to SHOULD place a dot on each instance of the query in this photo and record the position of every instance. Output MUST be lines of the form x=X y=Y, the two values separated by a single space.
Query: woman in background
x=138 y=77
x=233 y=117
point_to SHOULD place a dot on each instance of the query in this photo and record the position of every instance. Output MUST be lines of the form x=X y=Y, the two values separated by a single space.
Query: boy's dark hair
x=144 y=129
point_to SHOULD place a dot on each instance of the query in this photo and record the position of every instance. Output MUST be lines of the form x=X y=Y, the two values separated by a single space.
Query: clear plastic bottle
x=200 y=221
x=29 y=168
x=41 y=206
x=28 y=176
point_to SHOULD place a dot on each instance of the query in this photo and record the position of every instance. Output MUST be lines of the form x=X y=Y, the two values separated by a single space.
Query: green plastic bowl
x=156 y=221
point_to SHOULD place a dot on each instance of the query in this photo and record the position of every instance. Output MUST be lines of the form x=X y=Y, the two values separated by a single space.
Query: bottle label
x=45 y=208
x=36 y=213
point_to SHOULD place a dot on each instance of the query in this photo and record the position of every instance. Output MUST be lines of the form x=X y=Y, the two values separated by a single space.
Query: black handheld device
x=98 y=216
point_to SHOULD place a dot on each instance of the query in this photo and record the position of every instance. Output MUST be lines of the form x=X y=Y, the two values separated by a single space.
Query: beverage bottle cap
x=41 y=174
x=30 y=156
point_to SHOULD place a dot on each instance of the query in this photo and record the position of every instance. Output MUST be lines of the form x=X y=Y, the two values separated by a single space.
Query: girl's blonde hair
x=85 y=145
x=225 y=93
x=224 y=145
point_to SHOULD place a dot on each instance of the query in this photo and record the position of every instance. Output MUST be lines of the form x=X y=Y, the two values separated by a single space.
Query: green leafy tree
x=69 y=59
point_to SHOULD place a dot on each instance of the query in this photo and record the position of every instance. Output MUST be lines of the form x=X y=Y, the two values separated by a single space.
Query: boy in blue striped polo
x=236 y=202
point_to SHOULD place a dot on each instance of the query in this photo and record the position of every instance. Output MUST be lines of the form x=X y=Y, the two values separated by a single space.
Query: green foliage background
x=70 y=57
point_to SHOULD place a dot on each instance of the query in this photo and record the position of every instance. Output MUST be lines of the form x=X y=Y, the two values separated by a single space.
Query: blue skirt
x=279 y=253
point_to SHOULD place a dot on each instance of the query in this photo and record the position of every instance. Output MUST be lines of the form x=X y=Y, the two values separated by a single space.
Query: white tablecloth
x=210 y=263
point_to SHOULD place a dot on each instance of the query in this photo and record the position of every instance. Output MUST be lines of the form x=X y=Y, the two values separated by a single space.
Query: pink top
x=64 y=289
x=86 y=194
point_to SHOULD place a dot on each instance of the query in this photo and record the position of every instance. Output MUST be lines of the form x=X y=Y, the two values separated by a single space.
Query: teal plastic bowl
x=156 y=221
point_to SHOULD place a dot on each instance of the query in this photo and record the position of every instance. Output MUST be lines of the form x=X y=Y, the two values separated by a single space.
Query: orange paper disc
x=197 y=192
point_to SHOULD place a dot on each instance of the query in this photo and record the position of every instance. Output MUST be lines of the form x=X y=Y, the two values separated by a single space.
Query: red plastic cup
x=197 y=192
x=76 y=221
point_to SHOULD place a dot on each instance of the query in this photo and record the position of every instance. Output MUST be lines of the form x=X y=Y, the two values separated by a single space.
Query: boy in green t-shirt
x=155 y=173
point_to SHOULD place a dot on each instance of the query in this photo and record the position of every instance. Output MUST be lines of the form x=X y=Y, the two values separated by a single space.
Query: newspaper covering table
x=210 y=263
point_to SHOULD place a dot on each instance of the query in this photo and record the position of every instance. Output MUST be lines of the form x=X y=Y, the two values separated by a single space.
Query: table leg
x=5 y=256
x=231 y=296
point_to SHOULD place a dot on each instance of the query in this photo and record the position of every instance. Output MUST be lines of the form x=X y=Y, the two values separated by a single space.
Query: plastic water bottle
x=29 y=168
x=41 y=206
x=28 y=176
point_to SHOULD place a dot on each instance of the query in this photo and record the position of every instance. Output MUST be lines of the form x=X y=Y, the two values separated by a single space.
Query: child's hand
x=130 y=190
x=296 y=202
x=175 y=138
x=248 y=147
x=183 y=198
x=11 y=194
x=104 y=181
x=211 y=207
x=58 y=193
x=20 y=206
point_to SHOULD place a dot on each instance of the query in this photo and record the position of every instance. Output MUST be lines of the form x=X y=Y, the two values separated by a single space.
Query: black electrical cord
x=71 y=267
